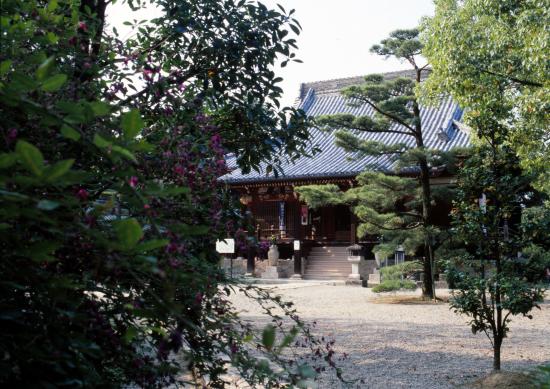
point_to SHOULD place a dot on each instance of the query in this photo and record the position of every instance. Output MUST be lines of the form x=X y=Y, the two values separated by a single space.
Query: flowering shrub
x=109 y=194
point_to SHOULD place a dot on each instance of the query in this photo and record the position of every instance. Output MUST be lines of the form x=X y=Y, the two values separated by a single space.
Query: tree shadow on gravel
x=405 y=355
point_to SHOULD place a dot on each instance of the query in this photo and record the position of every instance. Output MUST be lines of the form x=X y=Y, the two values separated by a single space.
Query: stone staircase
x=327 y=263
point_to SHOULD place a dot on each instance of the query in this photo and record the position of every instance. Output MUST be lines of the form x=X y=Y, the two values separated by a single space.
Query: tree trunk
x=496 y=353
x=427 y=282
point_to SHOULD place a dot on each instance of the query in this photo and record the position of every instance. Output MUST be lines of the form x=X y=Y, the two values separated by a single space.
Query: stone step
x=328 y=266
x=342 y=271
x=326 y=259
x=324 y=277
x=332 y=250
x=338 y=249
x=328 y=271
x=329 y=263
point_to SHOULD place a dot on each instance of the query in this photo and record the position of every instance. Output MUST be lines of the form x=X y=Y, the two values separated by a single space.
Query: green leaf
x=22 y=83
x=69 y=133
x=130 y=334
x=52 y=5
x=129 y=233
x=52 y=38
x=47 y=205
x=167 y=191
x=101 y=142
x=5 y=66
x=193 y=230
x=131 y=124
x=7 y=160
x=268 y=337
x=30 y=157
x=54 y=83
x=45 y=68
x=41 y=251
x=152 y=244
x=125 y=153
x=100 y=108
x=58 y=169
x=4 y=226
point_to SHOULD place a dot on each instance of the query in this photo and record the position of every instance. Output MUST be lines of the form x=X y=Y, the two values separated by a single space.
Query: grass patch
x=504 y=380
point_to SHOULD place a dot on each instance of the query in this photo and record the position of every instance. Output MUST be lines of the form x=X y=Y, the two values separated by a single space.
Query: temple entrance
x=331 y=224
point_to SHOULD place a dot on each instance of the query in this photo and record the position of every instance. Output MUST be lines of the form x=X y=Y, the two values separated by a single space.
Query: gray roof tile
x=324 y=98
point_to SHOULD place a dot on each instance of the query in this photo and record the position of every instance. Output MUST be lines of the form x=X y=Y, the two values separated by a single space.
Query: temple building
x=277 y=210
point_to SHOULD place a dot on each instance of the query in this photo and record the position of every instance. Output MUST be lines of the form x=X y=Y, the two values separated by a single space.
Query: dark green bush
x=402 y=270
x=111 y=150
x=394 y=285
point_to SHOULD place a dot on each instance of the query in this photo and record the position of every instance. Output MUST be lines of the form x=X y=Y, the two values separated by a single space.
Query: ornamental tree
x=398 y=208
x=492 y=57
x=505 y=257
x=110 y=156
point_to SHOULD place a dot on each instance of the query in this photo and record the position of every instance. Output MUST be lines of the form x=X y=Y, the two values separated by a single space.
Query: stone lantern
x=399 y=255
x=354 y=257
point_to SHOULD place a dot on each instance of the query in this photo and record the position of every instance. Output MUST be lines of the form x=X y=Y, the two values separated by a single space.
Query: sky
x=336 y=37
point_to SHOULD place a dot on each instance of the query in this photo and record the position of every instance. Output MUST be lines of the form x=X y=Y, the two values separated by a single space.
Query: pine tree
x=399 y=208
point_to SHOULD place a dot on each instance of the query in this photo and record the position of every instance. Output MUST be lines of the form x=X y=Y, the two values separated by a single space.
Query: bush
x=394 y=285
x=111 y=152
x=402 y=270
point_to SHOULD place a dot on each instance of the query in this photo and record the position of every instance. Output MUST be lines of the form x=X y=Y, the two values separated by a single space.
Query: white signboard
x=296 y=245
x=226 y=246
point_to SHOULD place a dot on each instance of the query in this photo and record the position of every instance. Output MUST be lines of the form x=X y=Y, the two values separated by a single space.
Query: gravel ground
x=407 y=346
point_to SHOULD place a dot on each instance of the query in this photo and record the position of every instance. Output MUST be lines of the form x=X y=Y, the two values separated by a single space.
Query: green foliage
x=492 y=56
x=541 y=377
x=320 y=195
x=496 y=280
x=401 y=270
x=110 y=156
x=394 y=285
x=395 y=277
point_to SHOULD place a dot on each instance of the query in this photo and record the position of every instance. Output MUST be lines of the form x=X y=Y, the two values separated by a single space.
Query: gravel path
x=407 y=346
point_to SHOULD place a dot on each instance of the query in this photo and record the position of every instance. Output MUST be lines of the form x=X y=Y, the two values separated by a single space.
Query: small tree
x=492 y=219
x=400 y=209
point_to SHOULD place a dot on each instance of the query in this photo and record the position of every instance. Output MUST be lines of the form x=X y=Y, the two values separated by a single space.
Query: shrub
x=394 y=285
x=111 y=152
x=402 y=270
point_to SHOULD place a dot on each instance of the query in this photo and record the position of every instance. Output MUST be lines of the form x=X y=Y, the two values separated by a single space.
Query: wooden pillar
x=298 y=254
x=250 y=262
x=298 y=262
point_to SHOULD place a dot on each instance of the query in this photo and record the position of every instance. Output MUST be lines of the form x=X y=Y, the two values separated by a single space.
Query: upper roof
x=439 y=123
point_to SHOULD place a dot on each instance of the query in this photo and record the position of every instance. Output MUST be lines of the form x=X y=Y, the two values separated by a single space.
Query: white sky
x=336 y=36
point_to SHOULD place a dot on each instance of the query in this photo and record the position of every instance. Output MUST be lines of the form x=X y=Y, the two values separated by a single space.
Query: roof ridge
x=336 y=84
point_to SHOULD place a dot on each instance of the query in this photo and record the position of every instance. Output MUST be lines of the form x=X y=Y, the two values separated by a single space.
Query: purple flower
x=133 y=181
x=82 y=194
x=82 y=26
x=198 y=298
x=12 y=135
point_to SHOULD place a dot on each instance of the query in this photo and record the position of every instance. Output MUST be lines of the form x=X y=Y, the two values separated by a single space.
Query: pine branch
x=390 y=116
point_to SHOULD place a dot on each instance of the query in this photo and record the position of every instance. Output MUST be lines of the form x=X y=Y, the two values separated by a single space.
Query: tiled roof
x=440 y=125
